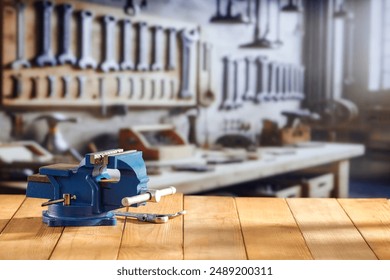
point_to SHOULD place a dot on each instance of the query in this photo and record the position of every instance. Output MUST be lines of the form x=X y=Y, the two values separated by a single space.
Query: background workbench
x=213 y=228
x=331 y=157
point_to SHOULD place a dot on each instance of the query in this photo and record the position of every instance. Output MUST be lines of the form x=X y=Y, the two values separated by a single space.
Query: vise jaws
x=86 y=194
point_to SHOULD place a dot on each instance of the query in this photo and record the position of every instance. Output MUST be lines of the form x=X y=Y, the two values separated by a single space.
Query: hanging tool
x=20 y=60
x=86 y=60
x=228 y=17
x=188 y=39
x=260 y=40
x=142 y=46
x=86 y=194
x=238 y=93
x=44 y=10
x=171 y=49
x=157 y=50
x=133 y=7
x=17 y=86
x=126 y=29
x=291 y=7
x=109 y=62
x=65 y=55
x=52 y=81
x=278 y=42
x=208 y=97
x=34 y=87
x=228 y=84
x=262 y=78
x=250 y=81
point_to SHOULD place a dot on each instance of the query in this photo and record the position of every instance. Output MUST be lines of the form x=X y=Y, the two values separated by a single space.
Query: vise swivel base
x=86 y=194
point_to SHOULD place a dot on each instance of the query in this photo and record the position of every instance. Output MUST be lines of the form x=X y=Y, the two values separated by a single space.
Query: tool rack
x=68 y=85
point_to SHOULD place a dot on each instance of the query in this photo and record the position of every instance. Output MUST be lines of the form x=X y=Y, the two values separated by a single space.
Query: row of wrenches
x=257 y=79
x=46 y=57
x=127 y=87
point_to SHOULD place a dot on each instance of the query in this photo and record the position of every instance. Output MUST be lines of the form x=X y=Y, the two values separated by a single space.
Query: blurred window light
x=338 y=57
x=379 y=68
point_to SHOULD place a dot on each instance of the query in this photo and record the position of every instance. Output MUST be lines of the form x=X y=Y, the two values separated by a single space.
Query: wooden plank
x=8 y=206
x=212 y=229
x=89 y=243
x=328 y=231
x=26 y=236
x=147 y=241
x=372 y=218
x=269 y=230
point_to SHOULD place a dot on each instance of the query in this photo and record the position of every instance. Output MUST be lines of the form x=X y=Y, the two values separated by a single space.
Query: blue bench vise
x=86 y=194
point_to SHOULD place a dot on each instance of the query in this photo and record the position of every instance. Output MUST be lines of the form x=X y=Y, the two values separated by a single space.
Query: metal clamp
x=151 y=218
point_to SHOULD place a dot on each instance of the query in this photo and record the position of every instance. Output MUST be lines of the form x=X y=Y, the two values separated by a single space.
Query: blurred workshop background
x=287 y=98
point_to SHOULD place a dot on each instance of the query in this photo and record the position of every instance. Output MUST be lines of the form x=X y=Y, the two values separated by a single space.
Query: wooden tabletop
x=213 y=228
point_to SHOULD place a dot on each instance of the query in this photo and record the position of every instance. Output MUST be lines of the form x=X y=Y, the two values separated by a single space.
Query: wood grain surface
x=328 y=231
x=372 y=218
x=8 y=206
x=214 y=227
x=269 y=229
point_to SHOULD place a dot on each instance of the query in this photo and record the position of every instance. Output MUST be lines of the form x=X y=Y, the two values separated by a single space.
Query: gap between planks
x=269 y=230
x=372 y=218
x=328 y=231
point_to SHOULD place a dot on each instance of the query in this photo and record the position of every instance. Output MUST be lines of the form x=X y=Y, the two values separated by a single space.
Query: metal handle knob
x=150 y=195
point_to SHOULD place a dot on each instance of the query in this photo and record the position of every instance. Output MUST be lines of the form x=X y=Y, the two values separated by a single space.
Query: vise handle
x=150 y=195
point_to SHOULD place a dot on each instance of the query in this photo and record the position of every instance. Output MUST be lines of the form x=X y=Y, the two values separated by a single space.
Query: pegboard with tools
x=78 y=54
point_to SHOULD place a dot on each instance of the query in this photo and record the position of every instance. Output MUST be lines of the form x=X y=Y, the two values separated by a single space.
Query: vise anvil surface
x=86 y=194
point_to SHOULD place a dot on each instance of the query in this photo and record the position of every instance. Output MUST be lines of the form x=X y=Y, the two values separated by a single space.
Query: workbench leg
x=340 y=170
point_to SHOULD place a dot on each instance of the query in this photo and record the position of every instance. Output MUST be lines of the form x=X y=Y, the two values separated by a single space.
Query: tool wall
x=75 y=54
x=260 y=80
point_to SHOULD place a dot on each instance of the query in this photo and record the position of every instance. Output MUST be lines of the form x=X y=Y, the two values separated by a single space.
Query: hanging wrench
x=272 y=82
x=172 y=85
x=228 y=83
x=157 y=48
x=45 y=56
x=262 y=78
x=102 y=97
x=238 y=100
x=34 y=89
x=86 y=60
x=81 y=81
x=17 y=86
x=162 y=88
x=131 y=83
x=109 y=62
x=188 y=38
x=66 y=80
x=52 y=85
x=250 y=79
x=65 y=16
x=142 y=47
x=300 y=82
x=20 y=60
x=279 y=82
x=171 y=49
x=119 y=80
x=290 y=82
x=127 y=63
